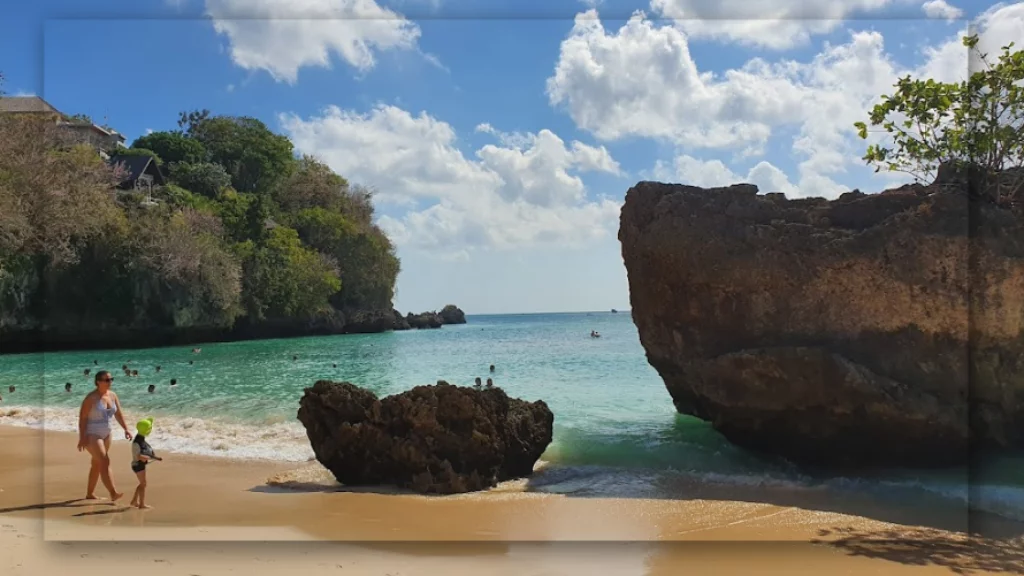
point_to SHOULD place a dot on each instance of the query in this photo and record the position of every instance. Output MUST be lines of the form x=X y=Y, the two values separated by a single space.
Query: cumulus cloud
x=774 y=24
x=282 y=36
x=525 y=191
x=942 y=10
x=713 y=173
x=642 y=81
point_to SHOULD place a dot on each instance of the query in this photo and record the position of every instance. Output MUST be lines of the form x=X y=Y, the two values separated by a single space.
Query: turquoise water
x=612 y=412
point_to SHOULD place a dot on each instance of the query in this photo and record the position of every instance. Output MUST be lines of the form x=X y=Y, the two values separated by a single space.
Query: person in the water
x=492 y=367
x=478 y=383
x=152 y=388
x=157 y=368
x=67 y=387
x=142 y=454
x=174 y=381
x=87 y=371
x=490 y=383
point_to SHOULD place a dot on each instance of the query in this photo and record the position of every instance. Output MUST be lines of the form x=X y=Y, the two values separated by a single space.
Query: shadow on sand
x=76 y=503
x=924 y=547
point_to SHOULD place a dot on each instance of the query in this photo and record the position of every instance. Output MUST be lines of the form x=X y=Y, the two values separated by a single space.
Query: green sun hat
x=145 y=426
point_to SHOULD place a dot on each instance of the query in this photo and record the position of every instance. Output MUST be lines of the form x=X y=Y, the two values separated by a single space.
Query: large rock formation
x=452 y=314
x=853 y=332
x=432 y=439
x=375 y=321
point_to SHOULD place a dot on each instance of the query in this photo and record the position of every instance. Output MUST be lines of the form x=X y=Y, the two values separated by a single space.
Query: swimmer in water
x=135 y=373
x=190 y=362
x=152 y=388
x=334 y=365
x=492 y=367
x=490 y=383
x=477 y=383
x=10 y=389
x=95 y=362
x=87 y=371
x=67 y=387
x=294 y=358
x=157 y=368
x=174 y=381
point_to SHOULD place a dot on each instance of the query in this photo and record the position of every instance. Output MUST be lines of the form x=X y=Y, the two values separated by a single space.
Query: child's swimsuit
x=140 y=448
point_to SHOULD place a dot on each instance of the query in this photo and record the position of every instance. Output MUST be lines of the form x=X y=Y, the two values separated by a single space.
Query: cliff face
x=866 y=330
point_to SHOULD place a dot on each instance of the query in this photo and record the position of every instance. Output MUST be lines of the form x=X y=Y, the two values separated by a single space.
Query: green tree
x=205 y=178
x=976 y=124
x=366 y=259
x=252 y=154
x=312 y=184
x=140 y=152
x=285 y=279
x=172 y=147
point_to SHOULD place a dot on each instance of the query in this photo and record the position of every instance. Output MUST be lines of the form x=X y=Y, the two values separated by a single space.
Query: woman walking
x=94 y=433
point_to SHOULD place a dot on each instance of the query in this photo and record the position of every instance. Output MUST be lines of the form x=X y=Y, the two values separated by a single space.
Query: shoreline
x=216 y=515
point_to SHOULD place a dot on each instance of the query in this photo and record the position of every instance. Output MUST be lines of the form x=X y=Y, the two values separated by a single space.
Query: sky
x=501 y=136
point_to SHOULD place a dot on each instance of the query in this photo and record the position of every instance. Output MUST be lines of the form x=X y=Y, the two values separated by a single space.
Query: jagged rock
x=432 y=439
x=424 y=320
x=452 y=314
x=374 y=321
x=851 y=332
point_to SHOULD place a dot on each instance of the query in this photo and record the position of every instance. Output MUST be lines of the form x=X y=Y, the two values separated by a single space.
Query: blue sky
x=502 y=136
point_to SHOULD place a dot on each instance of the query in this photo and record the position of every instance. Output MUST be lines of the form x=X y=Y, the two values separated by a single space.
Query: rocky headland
x=439 y=439
x=882 y=329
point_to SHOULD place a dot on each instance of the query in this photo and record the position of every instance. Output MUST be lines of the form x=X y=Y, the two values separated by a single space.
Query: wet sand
x=203 y=503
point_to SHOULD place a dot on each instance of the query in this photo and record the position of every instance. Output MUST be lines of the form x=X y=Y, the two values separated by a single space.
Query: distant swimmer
x=87 y=371
x=334 y=365
x=190 y=362
x=294 y=358
x=595 y=334
x=174 y=381
x=124 y=367
x=95 y=362
x=10 y=389
x=157 y=368
x=478 y=383
x=490 y=383
x=152 y=388
x=492 y=367
x=67 y=387
x=197 y=350
x=135 y=373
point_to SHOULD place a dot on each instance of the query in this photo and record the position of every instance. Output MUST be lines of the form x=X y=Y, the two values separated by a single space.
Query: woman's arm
x=120 y=417
x=83 y=416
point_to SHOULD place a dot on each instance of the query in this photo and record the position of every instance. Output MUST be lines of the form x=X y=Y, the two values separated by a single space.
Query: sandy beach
x=220 y=516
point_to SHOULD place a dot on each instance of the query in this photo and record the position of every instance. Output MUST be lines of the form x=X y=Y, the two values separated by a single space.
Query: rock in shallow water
x=852 y=332
x=440 y=439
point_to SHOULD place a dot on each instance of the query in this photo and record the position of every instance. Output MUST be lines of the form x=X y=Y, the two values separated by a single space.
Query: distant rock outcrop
x=424 y=320
x=374 y=321
x=452 y=314
x=865 y=330
x=439 y=439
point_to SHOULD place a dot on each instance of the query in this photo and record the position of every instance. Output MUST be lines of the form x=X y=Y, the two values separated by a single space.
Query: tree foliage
x=977 y=123
x=252 y=154
x=172 y=147
x=139 y=152
x=285 y=279
x=205 y=178
x=243 y=229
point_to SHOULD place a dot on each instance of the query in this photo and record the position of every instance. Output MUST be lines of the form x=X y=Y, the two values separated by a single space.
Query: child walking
x=142 y=454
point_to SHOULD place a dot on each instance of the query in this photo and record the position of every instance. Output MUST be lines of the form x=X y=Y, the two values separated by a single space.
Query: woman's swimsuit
x=98 y=423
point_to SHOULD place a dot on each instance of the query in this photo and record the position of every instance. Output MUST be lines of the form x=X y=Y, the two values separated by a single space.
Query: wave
x=277 y=441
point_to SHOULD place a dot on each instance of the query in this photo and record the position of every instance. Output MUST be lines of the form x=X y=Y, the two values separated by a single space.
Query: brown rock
x=432 y=439
x=844 y=332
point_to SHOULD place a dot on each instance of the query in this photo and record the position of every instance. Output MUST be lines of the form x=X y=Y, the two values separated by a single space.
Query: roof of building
x=26 y=104
x=136 y=165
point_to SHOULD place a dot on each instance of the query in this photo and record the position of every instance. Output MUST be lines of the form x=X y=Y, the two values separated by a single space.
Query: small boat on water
x=614 y=311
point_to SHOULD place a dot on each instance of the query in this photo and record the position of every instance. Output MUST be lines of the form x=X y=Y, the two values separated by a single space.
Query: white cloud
x=641 y=81
x=774 y=24
x=521 y=193
x=942 y=10
x=149 y=131
x=281 y=36
x=714 y=173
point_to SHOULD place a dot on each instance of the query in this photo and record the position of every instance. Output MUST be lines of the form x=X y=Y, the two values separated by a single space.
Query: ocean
x=616 y=431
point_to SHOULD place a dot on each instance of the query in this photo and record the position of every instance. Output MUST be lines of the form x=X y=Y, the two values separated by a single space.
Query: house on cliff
x=72 y=129
x=140 y=174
